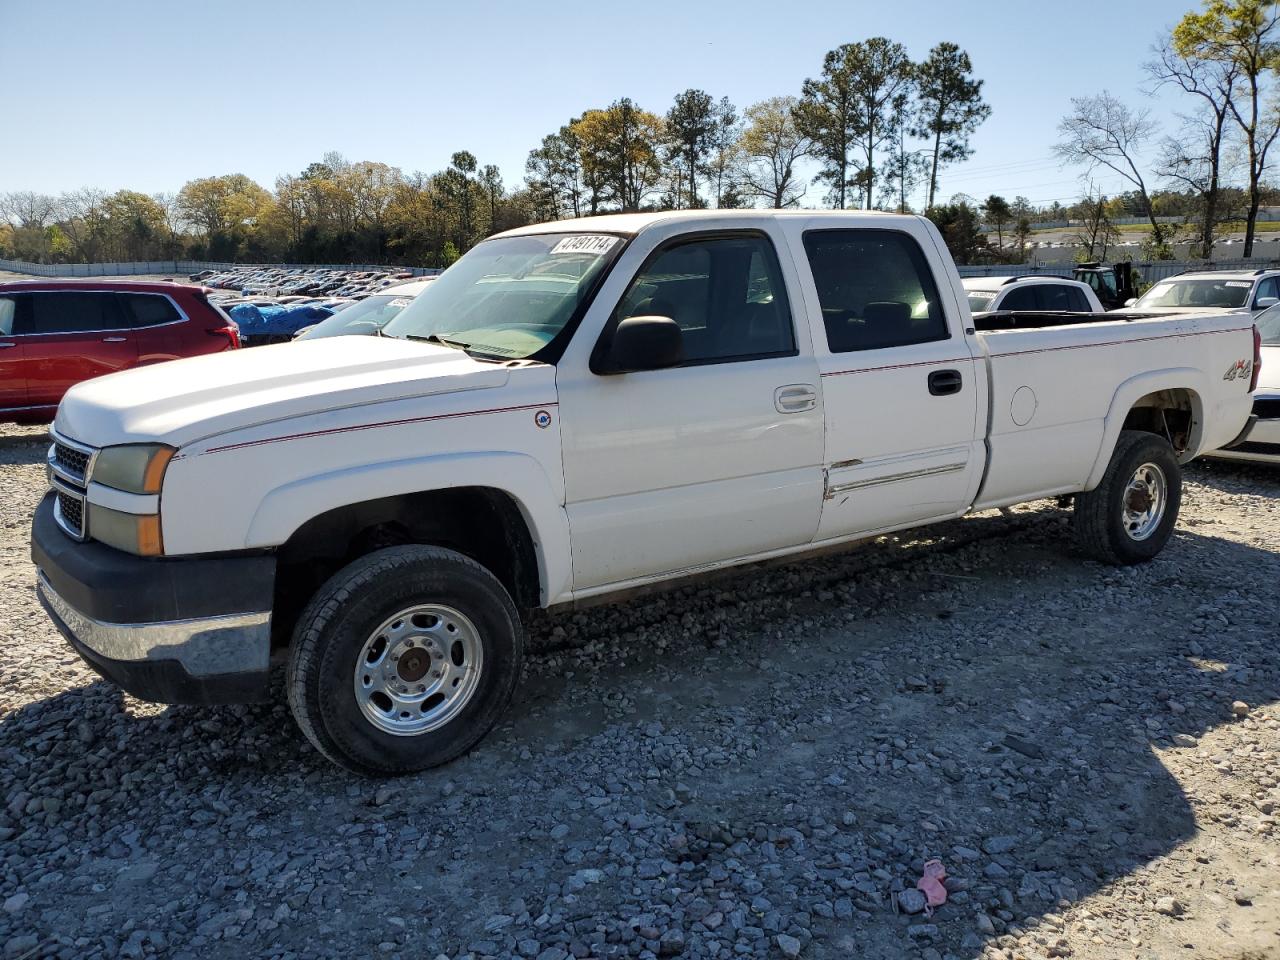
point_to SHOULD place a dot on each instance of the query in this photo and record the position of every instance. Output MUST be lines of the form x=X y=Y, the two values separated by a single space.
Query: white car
x=1260 y=441
x=1224 y=291
x=1038 y=294
x=573 y=411
x=368 y=316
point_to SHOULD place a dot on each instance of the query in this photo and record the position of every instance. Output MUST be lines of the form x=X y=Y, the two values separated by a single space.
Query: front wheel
x=1131 y=514
x=403 y=660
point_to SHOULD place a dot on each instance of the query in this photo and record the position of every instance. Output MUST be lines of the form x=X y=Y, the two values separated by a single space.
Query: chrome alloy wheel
x=418 y=670
x=1145 y=500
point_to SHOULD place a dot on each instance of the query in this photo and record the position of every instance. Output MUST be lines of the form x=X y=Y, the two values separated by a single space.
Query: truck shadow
x=1039 y=764
x=1235 y=476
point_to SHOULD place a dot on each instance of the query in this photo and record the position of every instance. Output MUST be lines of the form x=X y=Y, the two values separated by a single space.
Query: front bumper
x=170 y=630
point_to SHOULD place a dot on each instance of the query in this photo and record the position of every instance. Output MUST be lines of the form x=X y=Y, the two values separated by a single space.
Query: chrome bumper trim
x=237 y=643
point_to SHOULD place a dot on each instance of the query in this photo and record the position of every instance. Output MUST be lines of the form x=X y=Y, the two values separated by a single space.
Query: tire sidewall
x=484 y=603
x=1150 y=449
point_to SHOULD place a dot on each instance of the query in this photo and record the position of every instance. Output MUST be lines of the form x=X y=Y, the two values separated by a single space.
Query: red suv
x=55 y=333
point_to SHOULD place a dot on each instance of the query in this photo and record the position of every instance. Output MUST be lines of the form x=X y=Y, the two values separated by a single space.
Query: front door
x=69 y=337
x=900 y=387
x=718 y=458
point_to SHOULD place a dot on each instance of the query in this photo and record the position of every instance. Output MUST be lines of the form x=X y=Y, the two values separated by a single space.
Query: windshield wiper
x=457 y=344
x=436 y=338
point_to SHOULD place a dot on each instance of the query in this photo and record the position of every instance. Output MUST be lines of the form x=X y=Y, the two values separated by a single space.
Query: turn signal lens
x=153 y=475
x=134 y=533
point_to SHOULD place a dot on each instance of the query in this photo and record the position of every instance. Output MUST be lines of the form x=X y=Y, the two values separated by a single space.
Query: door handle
x=795 y=398
x=945 y=382
x=115 y=339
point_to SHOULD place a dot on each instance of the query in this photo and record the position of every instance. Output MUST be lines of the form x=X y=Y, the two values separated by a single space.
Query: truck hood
x=181 y=401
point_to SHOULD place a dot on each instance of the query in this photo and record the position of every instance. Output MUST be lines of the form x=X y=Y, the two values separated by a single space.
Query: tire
x=1110 y=523
x=450 y=603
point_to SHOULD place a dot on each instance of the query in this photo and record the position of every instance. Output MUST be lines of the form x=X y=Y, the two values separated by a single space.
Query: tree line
x=876 y=125
x=872 y=128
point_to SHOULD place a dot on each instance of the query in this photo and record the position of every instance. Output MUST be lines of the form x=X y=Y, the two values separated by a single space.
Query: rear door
x=70 y=336
x=13 y=381
x=900 y=387
x=157 y=326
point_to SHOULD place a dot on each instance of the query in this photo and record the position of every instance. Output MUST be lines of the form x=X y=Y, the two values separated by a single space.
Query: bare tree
x=80 y=215
x=771 y=147
x=1194 y=158
x=1102 y=131
x=1097 y=232
x=168 y=203
x=28 y=209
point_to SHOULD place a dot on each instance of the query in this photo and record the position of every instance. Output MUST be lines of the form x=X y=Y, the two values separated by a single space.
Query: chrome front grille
x=70 y=514
x=70 y=469
x=73 y=462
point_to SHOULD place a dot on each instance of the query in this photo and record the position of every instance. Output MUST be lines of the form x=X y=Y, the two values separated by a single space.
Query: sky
x=147 y=95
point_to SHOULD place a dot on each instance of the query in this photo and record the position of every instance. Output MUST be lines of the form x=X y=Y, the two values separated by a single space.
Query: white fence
x=1150 y=271
x=179 y=268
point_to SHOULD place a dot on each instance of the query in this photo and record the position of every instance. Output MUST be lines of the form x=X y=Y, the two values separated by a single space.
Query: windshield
x=366 y=317
x=1268 y=322
x=508 y=297
x=1209 y=292
x=980 y=300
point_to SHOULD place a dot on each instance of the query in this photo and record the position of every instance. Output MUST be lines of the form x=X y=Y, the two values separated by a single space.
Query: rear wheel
x=1131 y=514
x=403 y=660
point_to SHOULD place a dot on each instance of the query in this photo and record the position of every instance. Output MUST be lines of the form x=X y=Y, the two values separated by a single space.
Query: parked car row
x=55 y=333
x=300 y=281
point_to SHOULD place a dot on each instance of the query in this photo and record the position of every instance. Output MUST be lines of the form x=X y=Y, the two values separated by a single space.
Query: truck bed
x=1037 y=319
x=1052 y=395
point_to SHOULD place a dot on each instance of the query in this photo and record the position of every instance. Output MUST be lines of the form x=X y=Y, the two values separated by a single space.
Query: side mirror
x=646 y=343
x=1131 y=301
x=1263 y=302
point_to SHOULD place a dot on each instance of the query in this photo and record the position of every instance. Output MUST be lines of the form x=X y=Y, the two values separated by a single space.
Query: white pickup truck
x=575 y=410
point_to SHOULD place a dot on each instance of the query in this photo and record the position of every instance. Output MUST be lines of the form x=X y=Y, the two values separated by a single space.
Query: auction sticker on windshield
x=595 y=244
x=1239 y=283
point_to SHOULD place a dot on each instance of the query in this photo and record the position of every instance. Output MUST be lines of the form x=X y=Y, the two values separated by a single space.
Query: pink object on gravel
x=931 y=885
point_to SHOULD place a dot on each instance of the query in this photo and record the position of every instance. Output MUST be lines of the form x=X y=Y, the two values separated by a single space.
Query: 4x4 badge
x=1239 y=370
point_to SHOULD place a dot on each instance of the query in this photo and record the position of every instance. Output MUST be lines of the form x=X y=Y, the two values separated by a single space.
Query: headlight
x=133 y=468
x=134 y=533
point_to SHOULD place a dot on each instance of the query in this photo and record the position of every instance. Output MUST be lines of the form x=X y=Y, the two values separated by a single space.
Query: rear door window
x=1053 y=296
x=70 y=312
x=1079 y=302
x=875 y=289
x=1020 y=298
x=148 y=309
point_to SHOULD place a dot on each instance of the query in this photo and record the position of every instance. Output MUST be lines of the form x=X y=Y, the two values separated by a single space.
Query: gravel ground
x=756 y=767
